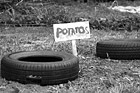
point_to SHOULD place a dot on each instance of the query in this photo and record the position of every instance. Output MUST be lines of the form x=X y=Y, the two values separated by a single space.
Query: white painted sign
x=71 y=31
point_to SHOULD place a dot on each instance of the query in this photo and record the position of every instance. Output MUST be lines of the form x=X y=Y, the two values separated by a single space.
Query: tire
x=119 y=49
x=40 y=67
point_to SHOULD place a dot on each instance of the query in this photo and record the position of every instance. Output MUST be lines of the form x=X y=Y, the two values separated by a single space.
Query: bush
x=125 y=24
x=42 y=15
x=55 y=14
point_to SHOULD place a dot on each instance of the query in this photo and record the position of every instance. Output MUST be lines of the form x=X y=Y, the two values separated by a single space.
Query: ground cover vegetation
x=96 y=75
x=100 y=17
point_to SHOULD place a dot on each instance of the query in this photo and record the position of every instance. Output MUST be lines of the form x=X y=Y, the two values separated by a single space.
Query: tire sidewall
x=11 y=60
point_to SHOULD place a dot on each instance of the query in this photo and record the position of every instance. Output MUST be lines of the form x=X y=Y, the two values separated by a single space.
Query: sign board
x=71 y=31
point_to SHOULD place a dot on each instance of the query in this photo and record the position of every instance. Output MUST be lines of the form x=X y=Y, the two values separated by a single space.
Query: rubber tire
x=43 y=73
x=119 y=49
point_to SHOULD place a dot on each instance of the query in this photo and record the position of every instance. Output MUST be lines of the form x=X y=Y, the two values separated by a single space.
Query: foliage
x=47 y=15
x=125 y=24
x=96 y=75
x=39 y=15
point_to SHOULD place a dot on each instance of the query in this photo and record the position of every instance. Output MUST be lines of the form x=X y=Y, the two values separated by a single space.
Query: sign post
x=74 y=48
x=71 y=31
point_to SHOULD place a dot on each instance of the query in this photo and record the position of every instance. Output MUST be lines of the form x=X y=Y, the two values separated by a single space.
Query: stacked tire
x=40 y=67
x=119 y=49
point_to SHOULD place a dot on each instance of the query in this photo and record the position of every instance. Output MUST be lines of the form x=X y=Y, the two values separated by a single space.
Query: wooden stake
x=74 y=48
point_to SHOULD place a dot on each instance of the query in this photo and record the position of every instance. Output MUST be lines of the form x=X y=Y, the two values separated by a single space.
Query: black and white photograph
x=69 y=46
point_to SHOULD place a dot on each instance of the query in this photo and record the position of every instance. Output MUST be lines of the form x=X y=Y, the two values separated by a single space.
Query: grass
x=96 y=75
x=53 y=13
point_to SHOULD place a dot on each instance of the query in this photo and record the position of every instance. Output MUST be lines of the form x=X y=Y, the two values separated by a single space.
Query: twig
x=19 y=2
x=115 y=1
x=11 y=7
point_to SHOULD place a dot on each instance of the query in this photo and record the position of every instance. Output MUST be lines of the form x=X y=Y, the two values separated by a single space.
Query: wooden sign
x=71 y=31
